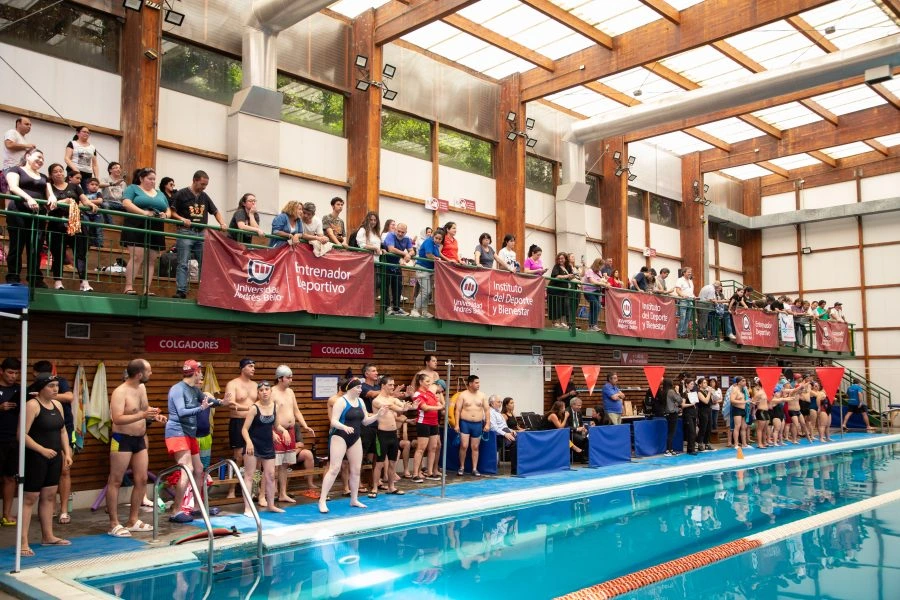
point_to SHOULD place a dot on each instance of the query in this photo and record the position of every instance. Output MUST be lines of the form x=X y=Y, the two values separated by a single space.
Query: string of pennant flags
x=830 y=377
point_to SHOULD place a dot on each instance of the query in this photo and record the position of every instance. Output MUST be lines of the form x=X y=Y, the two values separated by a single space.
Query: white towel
x=97 y=412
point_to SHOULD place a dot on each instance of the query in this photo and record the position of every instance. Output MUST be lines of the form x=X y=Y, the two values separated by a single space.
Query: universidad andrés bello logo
x=259 y=272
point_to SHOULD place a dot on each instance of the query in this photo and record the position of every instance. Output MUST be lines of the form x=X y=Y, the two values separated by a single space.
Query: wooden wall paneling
x=751 y=249
x=364 y=127
x=862 y=284
x=140 y=87
x=614 y=204
x=693 y=221
x=509 y=168
x=435 y=171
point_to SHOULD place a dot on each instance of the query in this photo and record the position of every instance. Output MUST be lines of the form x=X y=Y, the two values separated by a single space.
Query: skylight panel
x=847 y=150
x=354 y=8
x=731 y=130
x=650 y=84
x=746 y=172
x=785 y=116
x=486 y=58
x=889 y=140
x=705 y=65
x=515 y=21
x=458 y=46
x=614 y=18
x=855 y=22
x=541 y=33
x=432 y=34
x=794 y=161
x=849 y=100
x=480 y=12
x=585 y=101
x=516 y=65
x=676 y=142
x=565 y=46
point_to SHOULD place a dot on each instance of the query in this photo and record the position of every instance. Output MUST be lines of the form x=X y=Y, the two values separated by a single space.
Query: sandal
x=140 y=527
x=26 y=552
x=397 y=492
x=119 y=531
x=131 y=292
x=8 y=522
x=64 y=519
x=372 y=494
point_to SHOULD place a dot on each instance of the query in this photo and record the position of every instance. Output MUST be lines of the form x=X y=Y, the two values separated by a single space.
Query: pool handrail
x=160 y=478
x=244 y=492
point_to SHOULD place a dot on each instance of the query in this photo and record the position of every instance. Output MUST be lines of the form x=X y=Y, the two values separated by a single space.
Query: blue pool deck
x=52 y=571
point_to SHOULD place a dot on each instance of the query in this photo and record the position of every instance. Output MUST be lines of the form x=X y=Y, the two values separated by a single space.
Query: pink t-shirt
x=533 y=265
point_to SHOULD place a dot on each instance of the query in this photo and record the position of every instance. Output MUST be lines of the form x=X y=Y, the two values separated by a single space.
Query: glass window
x=539 y=174
x=465 y=152
x=66 y=31
x=405 y=134
x=664 y=211
x=200 y=72
x=635 y=203
x=310 y=106
x=730 y=235
x=593 y=197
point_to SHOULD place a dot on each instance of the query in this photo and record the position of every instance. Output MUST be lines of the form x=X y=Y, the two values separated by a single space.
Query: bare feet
x=286 y=499
x=248 y=514
x=275 y=509
x=322 y=508
x=357 y=504
x=26 y=552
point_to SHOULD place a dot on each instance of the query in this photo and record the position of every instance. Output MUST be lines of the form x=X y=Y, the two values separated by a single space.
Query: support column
x=614 y=205
x=509 y=168
x=140 y=87
x=364 y=126
x=693 y=221
x=751 y=247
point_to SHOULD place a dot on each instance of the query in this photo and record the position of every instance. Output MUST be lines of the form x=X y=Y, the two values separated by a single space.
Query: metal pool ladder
x=204 y=510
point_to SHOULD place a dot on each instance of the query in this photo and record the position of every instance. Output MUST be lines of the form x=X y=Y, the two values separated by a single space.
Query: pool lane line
x=655 y=574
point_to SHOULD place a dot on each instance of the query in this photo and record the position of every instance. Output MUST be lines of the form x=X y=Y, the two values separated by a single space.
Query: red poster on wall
x=832 y=336
x=488 y=297
x=636 y=314
x=285 y=279
x=756 y=328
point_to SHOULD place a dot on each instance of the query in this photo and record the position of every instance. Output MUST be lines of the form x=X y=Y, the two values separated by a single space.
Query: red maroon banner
x=756 y=328
x=171 y=343
x=286 y=279
x=488 y=296
x=342 y=350
x=832 y=336
x=636 y=314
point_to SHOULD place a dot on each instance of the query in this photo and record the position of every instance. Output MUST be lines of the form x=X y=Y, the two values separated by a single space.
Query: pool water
x=542 y=550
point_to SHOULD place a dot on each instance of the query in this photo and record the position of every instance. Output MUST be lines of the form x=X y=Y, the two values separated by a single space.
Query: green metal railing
x=566 y=299
x=878 y=399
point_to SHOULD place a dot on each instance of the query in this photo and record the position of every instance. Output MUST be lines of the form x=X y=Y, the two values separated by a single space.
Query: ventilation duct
x=769 y=84
x=266 y=20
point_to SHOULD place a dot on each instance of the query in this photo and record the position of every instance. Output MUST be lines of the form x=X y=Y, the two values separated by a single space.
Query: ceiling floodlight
x=829 y=30
x=637 y=93
x=511 y=136
x=361 y=61
x=631 y=176
x=389 y=71
x=529 y=123
x=531 y=143
x=174 y=18
x=705 y=188
x=511 y=117
x=617 y=155
x=631 y=160
x=619 y=171
x=389 y=94
x=362 y=85
x=134 y=5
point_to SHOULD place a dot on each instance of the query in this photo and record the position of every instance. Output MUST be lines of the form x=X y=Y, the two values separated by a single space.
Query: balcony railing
x=96 y=253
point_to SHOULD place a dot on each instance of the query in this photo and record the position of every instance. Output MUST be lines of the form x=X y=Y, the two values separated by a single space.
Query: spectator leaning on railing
x=429 y=252
x=684 y=289
x=334 y=224
x=144 y=234
x=245 y=218
x=398 y=252
x=192 y=204
x=29 y=185
x=286 y=225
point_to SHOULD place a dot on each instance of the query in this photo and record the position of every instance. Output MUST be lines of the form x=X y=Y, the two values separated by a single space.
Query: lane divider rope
x=633 y=581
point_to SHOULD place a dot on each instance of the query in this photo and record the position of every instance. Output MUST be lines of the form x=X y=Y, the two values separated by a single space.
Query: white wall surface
x=830 y=234
x=778 y=203
x=637 y=238
x=303 y=190
x=636 y=260
x=546 y=242
x=455 y=184
x=414 y=215
x=52 y=139
x=593 y=224
x=666 y=240
x=658 y=171
x=192 y=121
x=540 y=208
x=882 y=265
x=469 y=228
x=778 y=240
x=880 y=186
x=881 y=308
x=181 y=166
x=405 y=175
x=828 y=195
x=881 y=228
x=825 y=270
x=79 y=93
x=730 y=257
x=882 y=342
x=779 y=274
x=886 y=373
x=312 y=151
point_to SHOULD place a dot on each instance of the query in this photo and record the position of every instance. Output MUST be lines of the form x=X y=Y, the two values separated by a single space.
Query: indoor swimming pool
x=547 y=549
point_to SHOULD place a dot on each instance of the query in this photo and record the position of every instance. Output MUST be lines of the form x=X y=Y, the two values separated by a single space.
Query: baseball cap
x=283 y=371
x=247 y=361
x=190 y=367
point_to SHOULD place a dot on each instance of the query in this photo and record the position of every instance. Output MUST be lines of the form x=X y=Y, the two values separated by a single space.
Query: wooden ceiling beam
x=877 y=146
x=495 y=39
x=708 y=138
x=774 y=168
x=394 y=20
x=892 y=8
x=566 y=18
x=664 y=9
x=870 y=164
x=812 y=34
x=700 y=24
x=863 y=124
x=822 y=157
x=885 y=93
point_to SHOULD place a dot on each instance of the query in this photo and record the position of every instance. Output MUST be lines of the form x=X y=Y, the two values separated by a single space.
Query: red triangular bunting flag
x=564 y=373
x=768 y=377
x=831 y=379
x=591 y=373
x=654 y=376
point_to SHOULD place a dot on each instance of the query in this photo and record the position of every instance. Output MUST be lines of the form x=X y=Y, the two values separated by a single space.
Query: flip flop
x=58 y=542
x=26 y=552
x=372 y=494
x=397 y=493
x=131 y=292
x=140 y=527
x=8 y=522
x=64 y=519
x=119 y=531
